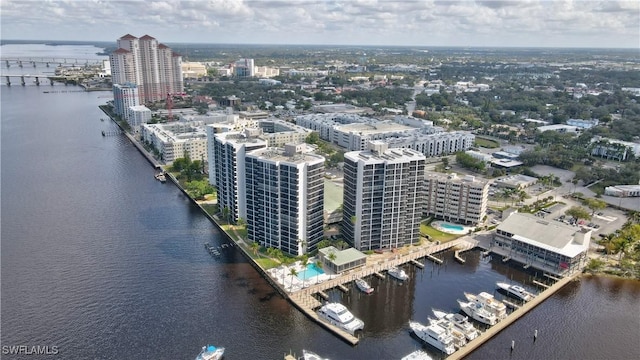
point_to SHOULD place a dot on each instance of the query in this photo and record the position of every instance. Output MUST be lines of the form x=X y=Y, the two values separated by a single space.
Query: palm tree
x=293 y=273
x=254 y=247
x=318 y=264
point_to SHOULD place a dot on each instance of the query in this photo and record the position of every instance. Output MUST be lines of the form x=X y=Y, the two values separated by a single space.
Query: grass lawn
x=486 y=143
x=211 y=209
x=266 y=263
x=436 y=235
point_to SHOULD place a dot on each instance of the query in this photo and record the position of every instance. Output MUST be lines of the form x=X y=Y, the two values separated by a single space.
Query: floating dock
x=343 y=288
x=540 y=284
x=417 y=263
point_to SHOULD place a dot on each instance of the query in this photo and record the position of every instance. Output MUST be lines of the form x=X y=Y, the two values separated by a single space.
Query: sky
x=506 y=23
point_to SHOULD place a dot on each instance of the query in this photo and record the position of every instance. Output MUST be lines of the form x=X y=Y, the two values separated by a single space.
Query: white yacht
x=309 y=355
x=460 y=322
x=364 y=286
x=459 y=340
x=417 y=355
x=498 y=308
x=516 y=291
x=398 y=273
x=338 y=315
x=435 y=336
x=478 y=313
x=210 y=352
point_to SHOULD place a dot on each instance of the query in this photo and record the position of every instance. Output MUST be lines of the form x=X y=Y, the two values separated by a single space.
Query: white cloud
x=367 y=22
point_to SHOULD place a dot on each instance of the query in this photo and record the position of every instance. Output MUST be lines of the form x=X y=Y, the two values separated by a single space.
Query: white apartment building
x=124 y=96
x=278 y=132
x=174 y=140
x=435 y=144
x=152 y=66
x=138 y=115
x=353 y=132
x=461 y=200
x=383 y=197
x=285 y=198
x=228 y=166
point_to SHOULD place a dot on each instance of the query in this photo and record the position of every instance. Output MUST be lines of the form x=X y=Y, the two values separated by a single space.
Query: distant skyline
x=506 y=23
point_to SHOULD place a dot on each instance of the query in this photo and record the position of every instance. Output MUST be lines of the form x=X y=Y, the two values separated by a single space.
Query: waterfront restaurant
x=550 y=246
x=344 y=260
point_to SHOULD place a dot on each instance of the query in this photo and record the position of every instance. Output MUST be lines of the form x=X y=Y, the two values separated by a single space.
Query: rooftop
x=550 y=235
x=343 y=256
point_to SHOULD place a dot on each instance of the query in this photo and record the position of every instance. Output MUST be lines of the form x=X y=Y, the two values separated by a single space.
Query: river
x=101 y=261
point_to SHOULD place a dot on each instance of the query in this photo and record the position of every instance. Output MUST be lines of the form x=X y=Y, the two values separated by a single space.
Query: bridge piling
x=7 y=62
x=37 y=81
x=8 y=81
x=20 y=63
x=22 y=80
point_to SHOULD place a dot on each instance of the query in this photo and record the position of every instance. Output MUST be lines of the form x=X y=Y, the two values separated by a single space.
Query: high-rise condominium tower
x=383 y=197
x=152 y=66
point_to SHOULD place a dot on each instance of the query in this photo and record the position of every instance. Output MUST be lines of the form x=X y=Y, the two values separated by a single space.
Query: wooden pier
x=343 y=288
x=434 y=259
x=417 y=263
x=515 y=315
x=307 y=303
x=540 y=284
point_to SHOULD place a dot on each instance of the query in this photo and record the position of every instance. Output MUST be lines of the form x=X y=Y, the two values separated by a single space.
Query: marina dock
x=515 y=315
x=305 y=301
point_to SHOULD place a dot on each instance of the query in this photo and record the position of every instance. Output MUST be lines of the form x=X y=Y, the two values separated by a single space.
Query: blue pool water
x=452 y=226
x=311 y=271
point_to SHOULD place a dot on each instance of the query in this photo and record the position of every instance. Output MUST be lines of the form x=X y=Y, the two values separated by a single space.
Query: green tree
x=254 y=247
x=323 y=244
x=594 y=204
x=578 y=212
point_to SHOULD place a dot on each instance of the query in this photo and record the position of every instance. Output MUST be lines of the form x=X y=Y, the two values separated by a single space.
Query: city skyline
x=531 y=23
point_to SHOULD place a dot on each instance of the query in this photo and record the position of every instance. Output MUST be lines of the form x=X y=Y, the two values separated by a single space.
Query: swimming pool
x=311 y=271
x=449 y=226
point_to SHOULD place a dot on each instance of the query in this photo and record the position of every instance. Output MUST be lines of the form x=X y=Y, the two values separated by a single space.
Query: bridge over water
x=34 y=61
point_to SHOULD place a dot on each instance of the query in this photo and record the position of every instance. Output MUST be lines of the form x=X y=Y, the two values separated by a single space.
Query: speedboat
x=364 y=286
x=478 y=313
x=498 y=308
x=310 y=355
x=516 y=291
x=160 y=177
x=459 y=322
x=398 y=273
x=417 y=355
x=210 y=352
x=337 y=314
x=435 y=336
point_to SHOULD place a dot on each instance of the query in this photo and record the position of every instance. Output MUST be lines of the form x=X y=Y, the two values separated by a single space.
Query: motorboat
x=160 y=177
x=364 y=286
x=459 y=340
x=477 y=312
x=459 y=322
x=516 y=291
x=210 y=352
x=398 y=273
x=417 y=355
x=435 y=336
x=310 y=355
x=337 y=314
x=498 y=308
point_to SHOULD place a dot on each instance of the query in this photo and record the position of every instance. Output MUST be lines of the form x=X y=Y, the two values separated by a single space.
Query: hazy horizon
x=385 y=23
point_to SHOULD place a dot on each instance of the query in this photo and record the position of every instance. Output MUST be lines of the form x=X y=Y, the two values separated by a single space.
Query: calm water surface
x=104 y=262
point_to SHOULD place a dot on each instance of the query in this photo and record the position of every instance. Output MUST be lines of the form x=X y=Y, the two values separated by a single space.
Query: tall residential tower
x=285 y=198
x=152 y=66
x=383 y=197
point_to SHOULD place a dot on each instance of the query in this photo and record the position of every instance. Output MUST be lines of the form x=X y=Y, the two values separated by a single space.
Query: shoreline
x=300 y=304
